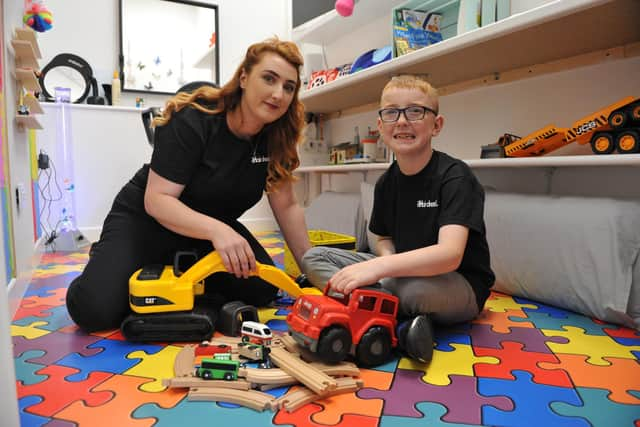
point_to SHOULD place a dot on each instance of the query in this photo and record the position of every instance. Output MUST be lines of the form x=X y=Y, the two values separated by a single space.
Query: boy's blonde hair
x=413 y=81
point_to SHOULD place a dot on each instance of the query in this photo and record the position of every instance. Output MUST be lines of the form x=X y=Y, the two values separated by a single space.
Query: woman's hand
x=234 y=250
x=355 y=276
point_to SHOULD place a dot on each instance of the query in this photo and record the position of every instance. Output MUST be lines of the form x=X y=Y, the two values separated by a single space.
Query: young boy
x=428 y=214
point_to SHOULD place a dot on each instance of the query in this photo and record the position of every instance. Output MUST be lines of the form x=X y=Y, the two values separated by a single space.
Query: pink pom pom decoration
x=344 y=7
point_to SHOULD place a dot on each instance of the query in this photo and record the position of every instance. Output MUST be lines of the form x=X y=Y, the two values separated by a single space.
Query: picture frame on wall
x=165 y=44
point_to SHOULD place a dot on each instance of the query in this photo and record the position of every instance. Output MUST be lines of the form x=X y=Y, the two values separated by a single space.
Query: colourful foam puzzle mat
x=520 y=363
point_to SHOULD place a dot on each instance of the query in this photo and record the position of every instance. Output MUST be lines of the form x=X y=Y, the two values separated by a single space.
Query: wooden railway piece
x=342 y=369
x=183 y=365
x=278 y=377
x=308 y=375
x=250 y=398
x=301 y=396
x=190 y=382
x=273 y=376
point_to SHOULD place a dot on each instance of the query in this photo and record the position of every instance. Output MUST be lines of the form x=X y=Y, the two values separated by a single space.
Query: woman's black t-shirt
x=223 y=175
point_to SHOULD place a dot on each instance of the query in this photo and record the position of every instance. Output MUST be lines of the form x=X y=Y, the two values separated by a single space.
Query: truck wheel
x=635 y=111
x=628 y=142
x=602 y=143
x=617 y=119
x=334 y=344
x=374 y=347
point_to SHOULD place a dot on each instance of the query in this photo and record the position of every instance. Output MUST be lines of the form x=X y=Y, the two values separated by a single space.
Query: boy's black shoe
x=415 y=337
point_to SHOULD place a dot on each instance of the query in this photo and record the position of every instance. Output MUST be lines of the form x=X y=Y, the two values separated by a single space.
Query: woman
x=215 y=152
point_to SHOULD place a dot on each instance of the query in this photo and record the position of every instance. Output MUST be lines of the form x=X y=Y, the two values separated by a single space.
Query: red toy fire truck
x=333 y=325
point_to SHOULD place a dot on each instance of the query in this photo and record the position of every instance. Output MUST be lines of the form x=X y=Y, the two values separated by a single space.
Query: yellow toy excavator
x=156 y=288
x=162 y=299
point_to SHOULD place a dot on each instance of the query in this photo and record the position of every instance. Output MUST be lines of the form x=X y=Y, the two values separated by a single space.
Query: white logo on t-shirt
x=260 y=159
x=427 y=204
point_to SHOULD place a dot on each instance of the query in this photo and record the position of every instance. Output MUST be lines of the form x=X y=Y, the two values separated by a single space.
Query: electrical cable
x=47 y=170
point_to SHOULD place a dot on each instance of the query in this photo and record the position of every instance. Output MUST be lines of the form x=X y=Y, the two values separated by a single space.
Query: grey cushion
x=366 y=201
x=572 y=252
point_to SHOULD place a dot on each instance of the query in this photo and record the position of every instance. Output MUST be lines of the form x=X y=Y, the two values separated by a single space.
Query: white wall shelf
x=355 y=167
x=558 y=161
x=554 y=31
x=519 y=162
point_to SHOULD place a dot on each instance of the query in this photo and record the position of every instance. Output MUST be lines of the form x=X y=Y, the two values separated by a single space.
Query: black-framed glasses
x=412 y=113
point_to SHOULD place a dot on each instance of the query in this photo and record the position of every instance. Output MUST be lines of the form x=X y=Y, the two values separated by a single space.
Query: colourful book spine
x=503 y=9
x=469 y=15
x=488 y=12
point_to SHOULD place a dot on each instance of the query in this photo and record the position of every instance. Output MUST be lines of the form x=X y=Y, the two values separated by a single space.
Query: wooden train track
x=292 y=369
x=319 y=382
x=280 y=377
x=183 y=365
x=195 y=382
x=301 y=396
x=250 y=398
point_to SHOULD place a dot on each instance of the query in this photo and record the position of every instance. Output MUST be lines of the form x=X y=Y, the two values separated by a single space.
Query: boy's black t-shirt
x=411 y=210
x=223 y=175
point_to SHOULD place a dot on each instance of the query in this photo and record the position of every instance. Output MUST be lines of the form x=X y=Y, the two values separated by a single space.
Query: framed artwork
x=165 y=44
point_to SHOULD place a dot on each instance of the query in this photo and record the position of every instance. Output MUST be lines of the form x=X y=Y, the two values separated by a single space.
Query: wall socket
x=21 y=195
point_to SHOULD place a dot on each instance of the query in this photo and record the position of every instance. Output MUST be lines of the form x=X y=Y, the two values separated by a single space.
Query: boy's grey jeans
x=447 y=298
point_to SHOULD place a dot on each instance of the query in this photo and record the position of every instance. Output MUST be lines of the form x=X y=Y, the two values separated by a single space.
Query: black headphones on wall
x=76 y=63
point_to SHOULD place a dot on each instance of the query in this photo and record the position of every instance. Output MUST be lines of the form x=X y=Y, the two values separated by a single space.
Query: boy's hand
x=355 y=276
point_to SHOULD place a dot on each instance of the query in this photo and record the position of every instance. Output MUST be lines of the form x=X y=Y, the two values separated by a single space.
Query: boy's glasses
x=412 y=114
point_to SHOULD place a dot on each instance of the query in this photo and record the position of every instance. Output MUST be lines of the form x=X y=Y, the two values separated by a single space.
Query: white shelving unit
x=558 y=161
x=556 y=36
x=356 y=167
x=554 y=31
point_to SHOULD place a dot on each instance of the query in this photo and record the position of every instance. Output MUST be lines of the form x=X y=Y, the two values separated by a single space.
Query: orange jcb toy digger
x=613 y=128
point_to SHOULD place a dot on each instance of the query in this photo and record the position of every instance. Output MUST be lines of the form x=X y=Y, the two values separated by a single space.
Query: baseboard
x=92 y=234
x=16 y=290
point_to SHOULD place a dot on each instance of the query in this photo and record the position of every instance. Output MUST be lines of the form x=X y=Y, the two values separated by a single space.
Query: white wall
x=108 y=145
x=91 y=32
x=96 y=39
x=9 y=401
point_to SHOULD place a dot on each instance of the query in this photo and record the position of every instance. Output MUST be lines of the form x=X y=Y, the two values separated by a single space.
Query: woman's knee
x=92 y=308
